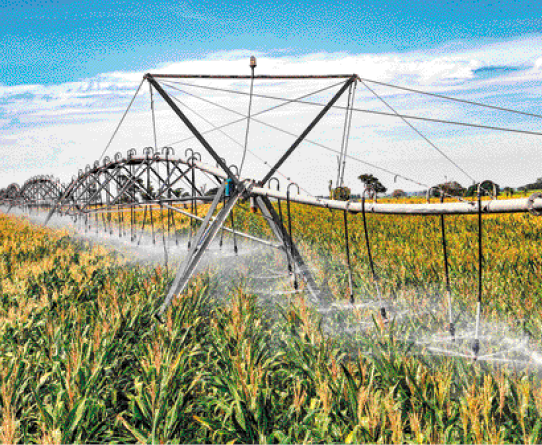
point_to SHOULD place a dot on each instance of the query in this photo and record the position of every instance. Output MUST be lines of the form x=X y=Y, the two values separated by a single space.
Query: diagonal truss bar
x=289 y=247
x=192 y=128
x=227 y=229
x=201 y=241
x=307 y=130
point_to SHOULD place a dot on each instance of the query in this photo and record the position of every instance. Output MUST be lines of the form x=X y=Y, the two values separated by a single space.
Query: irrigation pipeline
x=519 y=205
x=33 y=191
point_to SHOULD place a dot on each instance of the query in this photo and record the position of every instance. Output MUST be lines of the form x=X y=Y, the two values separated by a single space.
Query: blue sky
x=51 y=41
x=69 y=69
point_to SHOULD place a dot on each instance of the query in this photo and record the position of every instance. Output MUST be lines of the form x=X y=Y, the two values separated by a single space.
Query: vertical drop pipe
x=192 y=204
x=109 y=209
x=347 y=246
x=226 y=194
x=290 y=234
x=143 y=225
x=279 y=204
x=451 y=327
x=150 y=198
x=476 y=343
x=371 y=262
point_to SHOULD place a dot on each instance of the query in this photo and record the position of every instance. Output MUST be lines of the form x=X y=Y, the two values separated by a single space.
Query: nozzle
x=383 y=313
x=452 y=331
x=476 y=348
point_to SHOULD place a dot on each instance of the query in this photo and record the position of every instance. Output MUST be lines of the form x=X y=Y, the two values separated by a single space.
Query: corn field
x=82 y=359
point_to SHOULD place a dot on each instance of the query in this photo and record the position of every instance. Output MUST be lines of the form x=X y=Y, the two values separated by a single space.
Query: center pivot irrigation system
x=150 y=181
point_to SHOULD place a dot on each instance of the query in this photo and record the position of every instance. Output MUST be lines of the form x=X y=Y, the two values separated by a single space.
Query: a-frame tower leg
x=200 y=243
x=280 y=232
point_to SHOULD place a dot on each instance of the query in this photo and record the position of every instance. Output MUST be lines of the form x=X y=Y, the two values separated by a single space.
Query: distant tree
x=178 y=192
x=372 y=181
x=398 y=193
x=488 y=188
x=211 y=192
x=149 y=193
x=130 y=187
x=341 y=193
x=450 y=188
x=508 y=191
x=537 y=185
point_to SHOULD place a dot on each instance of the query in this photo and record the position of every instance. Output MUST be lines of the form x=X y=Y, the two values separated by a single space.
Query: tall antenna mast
x=252 y=67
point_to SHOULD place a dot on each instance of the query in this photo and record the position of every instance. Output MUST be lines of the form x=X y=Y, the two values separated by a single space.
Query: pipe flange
x=530 y=204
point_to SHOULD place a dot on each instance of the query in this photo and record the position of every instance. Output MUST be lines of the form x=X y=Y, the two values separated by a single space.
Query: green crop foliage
x=81 y=362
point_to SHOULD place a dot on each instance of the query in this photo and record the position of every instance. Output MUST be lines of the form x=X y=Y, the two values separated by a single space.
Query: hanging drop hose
x=447 y=274
x=149 y=193
x=171 y=213
x=290 y=233
x=232 y=218
x=174 y=224
x=143 y=225
x=476 y=343
x=109 y=215
x=192 y=202
x=370 y=256
x=226 y=192
x=152 y=225
x=347 y=245
x=451 y=327
x=121 y=220
x=281 y=218
x=132 y=222
x=96 y=217
x=164 y=237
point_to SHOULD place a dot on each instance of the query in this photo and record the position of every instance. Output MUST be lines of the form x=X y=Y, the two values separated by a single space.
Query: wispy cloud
x=80 y=116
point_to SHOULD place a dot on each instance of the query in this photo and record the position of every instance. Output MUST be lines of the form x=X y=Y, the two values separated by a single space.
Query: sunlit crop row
x=81 y=363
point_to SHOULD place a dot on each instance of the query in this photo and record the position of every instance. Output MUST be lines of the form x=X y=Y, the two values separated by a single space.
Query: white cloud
x=60 y=128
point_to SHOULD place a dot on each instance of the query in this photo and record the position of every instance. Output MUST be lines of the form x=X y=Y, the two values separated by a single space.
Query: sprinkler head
x=476 y=348
x=235 y=249
x=383 y=313
x=452 y=331
x=351 y=298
